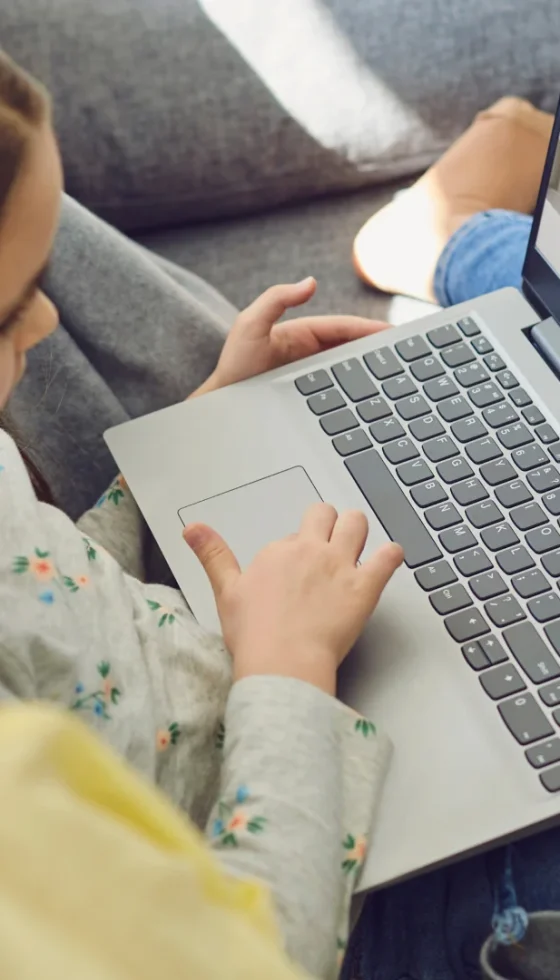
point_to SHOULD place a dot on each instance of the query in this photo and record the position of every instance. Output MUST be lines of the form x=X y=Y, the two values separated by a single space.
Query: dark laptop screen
x=541 y=272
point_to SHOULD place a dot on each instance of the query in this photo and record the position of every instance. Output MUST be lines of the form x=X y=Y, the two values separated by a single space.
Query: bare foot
x=497 y=163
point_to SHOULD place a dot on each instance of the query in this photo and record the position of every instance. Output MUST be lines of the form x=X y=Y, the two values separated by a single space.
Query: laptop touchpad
x=251 y=516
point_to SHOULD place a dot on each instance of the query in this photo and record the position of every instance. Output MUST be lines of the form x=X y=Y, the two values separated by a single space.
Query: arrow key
x=501 y=681
x=474 y=656
x=493 y=649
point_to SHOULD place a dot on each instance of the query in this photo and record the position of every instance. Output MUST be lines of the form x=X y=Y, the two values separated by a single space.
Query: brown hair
x=24 y=106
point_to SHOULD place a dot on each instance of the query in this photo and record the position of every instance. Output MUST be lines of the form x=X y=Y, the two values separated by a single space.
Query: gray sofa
x=249 y=140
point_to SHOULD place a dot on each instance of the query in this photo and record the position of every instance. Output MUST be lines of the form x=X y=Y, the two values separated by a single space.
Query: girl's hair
x=24 y=106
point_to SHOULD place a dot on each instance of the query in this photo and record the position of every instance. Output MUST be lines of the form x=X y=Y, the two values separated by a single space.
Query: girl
x=281 y=776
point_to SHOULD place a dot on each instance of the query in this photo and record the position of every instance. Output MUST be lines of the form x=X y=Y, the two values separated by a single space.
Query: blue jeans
x=485 y=254
x=432 y=928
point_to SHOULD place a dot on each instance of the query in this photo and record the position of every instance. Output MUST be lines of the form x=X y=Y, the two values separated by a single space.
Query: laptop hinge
x=546 y=338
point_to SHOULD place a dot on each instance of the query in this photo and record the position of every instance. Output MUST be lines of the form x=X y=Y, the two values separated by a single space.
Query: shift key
x=392 y=509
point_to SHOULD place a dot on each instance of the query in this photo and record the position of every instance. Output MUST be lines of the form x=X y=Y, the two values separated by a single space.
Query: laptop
x=446 y=432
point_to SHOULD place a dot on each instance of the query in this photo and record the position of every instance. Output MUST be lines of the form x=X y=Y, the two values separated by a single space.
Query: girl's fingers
x=350 y=535
x=216 y=558
x=330 y=331
x=318 y=522
x=378 y=570
x=258 y=319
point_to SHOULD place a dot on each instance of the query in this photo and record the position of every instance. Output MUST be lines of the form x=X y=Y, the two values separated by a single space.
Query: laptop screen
x=541 y=272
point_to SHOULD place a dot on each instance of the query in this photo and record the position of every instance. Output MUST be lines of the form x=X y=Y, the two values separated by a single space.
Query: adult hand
x=300 y=606
x=257 y=343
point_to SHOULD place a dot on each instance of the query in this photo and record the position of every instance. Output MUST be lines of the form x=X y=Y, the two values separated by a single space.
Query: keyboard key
x=513 y=494
x=468 y=326
x=550 y=779
x=482 y=345
x=426 y=428
x=551 y=564
x=453 y=470
x=528 y=516
x=326 y=401
x=413 y=348
x=532 y=653
x=543 y=539
x=435 y=576
x=472 y=562
x=374 y=409
x=533 y=415
x=471 y=374
x=499 y=536
x=494 y=362
x=440 y=388
x=488 y=585
x=413 y=407
x=351 y=442
x=387 y=429
x=454 y=408
x=401 y=451
x=475 y=656
x=498 y=415
x=457 y=355
x=525 y=720
x=514 y=560
x=483 y=395
x=504 y=611
x=507 y=379
x=546 y=434
x=483 y=450
x=545 y=753
x=502 y=681
x=444 y=336
x=466 y=625
x=383 y=363
x=337 y=422
x=450 y=600
x=400 y=387
x=554 y=451
x=493 y=649
x=354 y=380
x=552 y=502
x=519 y=397
x=457 y=539
x=442 y=516
x=529 y=457
x=544 y=479
x=484 y=514
x=416 y=471
x=553 y=634
x=439 y=449
x=469 y=492
x=430 y=367
x=312 y=382
x=498 y=471
x=530 y=583
x=392 y=509
x=468 y=429
x=428 y=494
x=550 y=694
x=545 y=608
x=516 y=435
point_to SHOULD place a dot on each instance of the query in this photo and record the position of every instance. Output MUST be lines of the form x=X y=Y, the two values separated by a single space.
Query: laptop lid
x=541 y=271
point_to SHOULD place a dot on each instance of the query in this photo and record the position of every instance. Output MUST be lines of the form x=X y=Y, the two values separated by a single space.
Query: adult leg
x=496 y=164
x=432 y=928
x=136 y=334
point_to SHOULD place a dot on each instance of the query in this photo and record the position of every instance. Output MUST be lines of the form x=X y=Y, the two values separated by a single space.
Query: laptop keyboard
x=459 y=466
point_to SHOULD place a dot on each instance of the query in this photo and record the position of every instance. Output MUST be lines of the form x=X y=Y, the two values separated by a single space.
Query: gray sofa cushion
x=177 y=110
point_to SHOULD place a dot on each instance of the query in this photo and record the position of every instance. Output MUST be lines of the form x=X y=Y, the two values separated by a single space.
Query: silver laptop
x=446 y=431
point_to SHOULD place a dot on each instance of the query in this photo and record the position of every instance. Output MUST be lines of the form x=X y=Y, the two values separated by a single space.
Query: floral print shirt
x=280 y=777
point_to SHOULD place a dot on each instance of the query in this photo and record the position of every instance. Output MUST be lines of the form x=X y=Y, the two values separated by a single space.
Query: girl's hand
x=257 y=343
x=302 y=603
